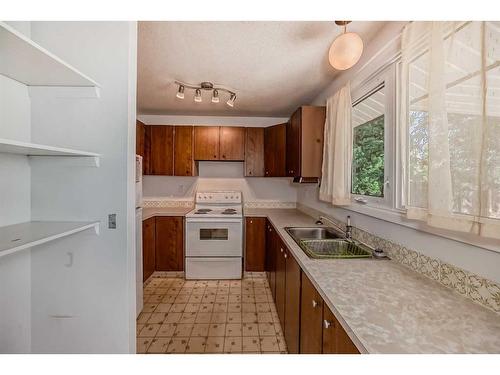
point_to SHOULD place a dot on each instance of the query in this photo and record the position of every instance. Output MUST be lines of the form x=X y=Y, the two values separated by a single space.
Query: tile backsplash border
x=474 y=287
x=156 y=202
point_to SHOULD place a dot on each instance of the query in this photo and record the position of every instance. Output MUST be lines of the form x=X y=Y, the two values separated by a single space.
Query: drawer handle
x=327 y=324
x=314 y=303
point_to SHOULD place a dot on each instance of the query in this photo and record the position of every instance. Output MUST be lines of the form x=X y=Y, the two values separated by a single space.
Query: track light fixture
x=180 y=92
x=207 y=86
x=197 y=96
x=231 y=100
x=215 y=96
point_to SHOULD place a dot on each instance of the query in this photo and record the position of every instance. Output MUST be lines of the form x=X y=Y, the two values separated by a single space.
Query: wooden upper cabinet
x=148 y=247
x=183 y=151
x=161 y=160
x=169 y=244
x=254 y=152
x=293 y=144
x=140 y=134
x=292 y=304
x=304 y=142
x=206 y=143
x=335 y=338
x=231 y=143
x=255 y=244
x=311 y=318
x=275 y=151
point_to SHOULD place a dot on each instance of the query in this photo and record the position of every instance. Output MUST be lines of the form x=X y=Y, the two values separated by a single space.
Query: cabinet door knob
x=314 y=303
x=327 y=324
x=224 y=156
x=281 y=249
x=251 y=221
x=285 y=255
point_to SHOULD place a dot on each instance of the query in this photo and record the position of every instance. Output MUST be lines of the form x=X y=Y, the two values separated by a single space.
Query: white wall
x=472 y=258
x=221 y=176
x=15 y=274
x=95 y=290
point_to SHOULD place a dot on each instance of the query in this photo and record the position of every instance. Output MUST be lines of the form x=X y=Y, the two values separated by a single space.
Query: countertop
x=164 y=211
x=387 y=308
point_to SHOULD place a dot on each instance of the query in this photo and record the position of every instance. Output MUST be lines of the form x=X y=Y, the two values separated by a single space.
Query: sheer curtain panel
x=450 y=112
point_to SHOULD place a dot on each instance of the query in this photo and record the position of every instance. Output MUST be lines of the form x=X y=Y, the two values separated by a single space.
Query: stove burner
x=200 y=213
x=229 y=211
x=204 y=210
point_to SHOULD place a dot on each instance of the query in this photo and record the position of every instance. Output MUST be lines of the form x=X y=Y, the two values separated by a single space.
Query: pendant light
x=346 y=49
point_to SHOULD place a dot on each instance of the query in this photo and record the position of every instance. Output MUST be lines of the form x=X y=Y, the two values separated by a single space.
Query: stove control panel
x=218 y=197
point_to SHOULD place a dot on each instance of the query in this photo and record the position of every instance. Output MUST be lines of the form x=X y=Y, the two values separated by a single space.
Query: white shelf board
x=17 y=237
x=27 y=62
x=32 y=149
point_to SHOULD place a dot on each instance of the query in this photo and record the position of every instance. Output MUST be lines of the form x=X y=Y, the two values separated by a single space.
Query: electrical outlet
x=112 y=221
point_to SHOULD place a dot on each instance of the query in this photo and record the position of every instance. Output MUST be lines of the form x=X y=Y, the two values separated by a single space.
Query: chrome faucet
x=348 y=228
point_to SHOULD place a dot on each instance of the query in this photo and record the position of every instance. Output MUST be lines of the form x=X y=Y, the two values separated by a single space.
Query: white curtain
x=337 y=149
x=451 y=109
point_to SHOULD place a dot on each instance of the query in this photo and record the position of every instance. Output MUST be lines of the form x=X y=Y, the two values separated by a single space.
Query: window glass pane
x=213 y=234
x=368 y=145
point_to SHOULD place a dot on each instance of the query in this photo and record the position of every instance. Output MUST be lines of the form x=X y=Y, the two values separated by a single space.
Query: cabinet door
x=311 y=318
x=206 y=143
x=275 y=151
x=162 y=150
x=292 y=304
x=293 y=145
x=140 y=134
x=148 y=247
x=183 y=151
x=232 y=143
x=255 y=244
x=169 y=244
x=254 y=152
x=271 y=257
x=335 y=338
x=146 y=159
x=281 y=281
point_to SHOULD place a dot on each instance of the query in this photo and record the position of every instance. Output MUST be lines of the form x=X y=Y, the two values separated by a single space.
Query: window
x=372 y=140
x=368 y=145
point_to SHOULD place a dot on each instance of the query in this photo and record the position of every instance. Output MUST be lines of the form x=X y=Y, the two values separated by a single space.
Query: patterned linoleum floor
x=212 y=316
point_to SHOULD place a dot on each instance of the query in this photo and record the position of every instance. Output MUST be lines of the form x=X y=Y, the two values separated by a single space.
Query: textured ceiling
x=272 y=66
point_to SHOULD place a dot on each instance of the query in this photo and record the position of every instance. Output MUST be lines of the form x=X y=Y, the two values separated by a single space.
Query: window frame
x=385 y=78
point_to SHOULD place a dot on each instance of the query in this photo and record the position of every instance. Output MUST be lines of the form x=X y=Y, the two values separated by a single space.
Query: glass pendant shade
x=345 y=51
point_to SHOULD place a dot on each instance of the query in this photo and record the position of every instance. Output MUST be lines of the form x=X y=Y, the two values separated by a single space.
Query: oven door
x=214 y=238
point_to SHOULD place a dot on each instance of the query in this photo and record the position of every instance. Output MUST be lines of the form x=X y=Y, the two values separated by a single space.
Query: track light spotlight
x=215 y=96
x=231 y=100
x=197 y=96
x=180 y=93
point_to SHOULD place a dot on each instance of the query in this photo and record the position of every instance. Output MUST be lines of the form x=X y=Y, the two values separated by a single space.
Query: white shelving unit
x=17 y=237
x=27 y=62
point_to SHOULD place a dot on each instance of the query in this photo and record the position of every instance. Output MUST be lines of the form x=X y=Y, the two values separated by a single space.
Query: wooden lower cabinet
x=148 y=247
x=271 y=238
x=255 y=244
x=169 y=244
x=280 y=251
x=311 y=318
x=292 y=304
x=335 y=338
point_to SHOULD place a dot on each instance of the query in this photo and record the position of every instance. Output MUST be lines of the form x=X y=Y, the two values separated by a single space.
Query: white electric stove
x=214 y=236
